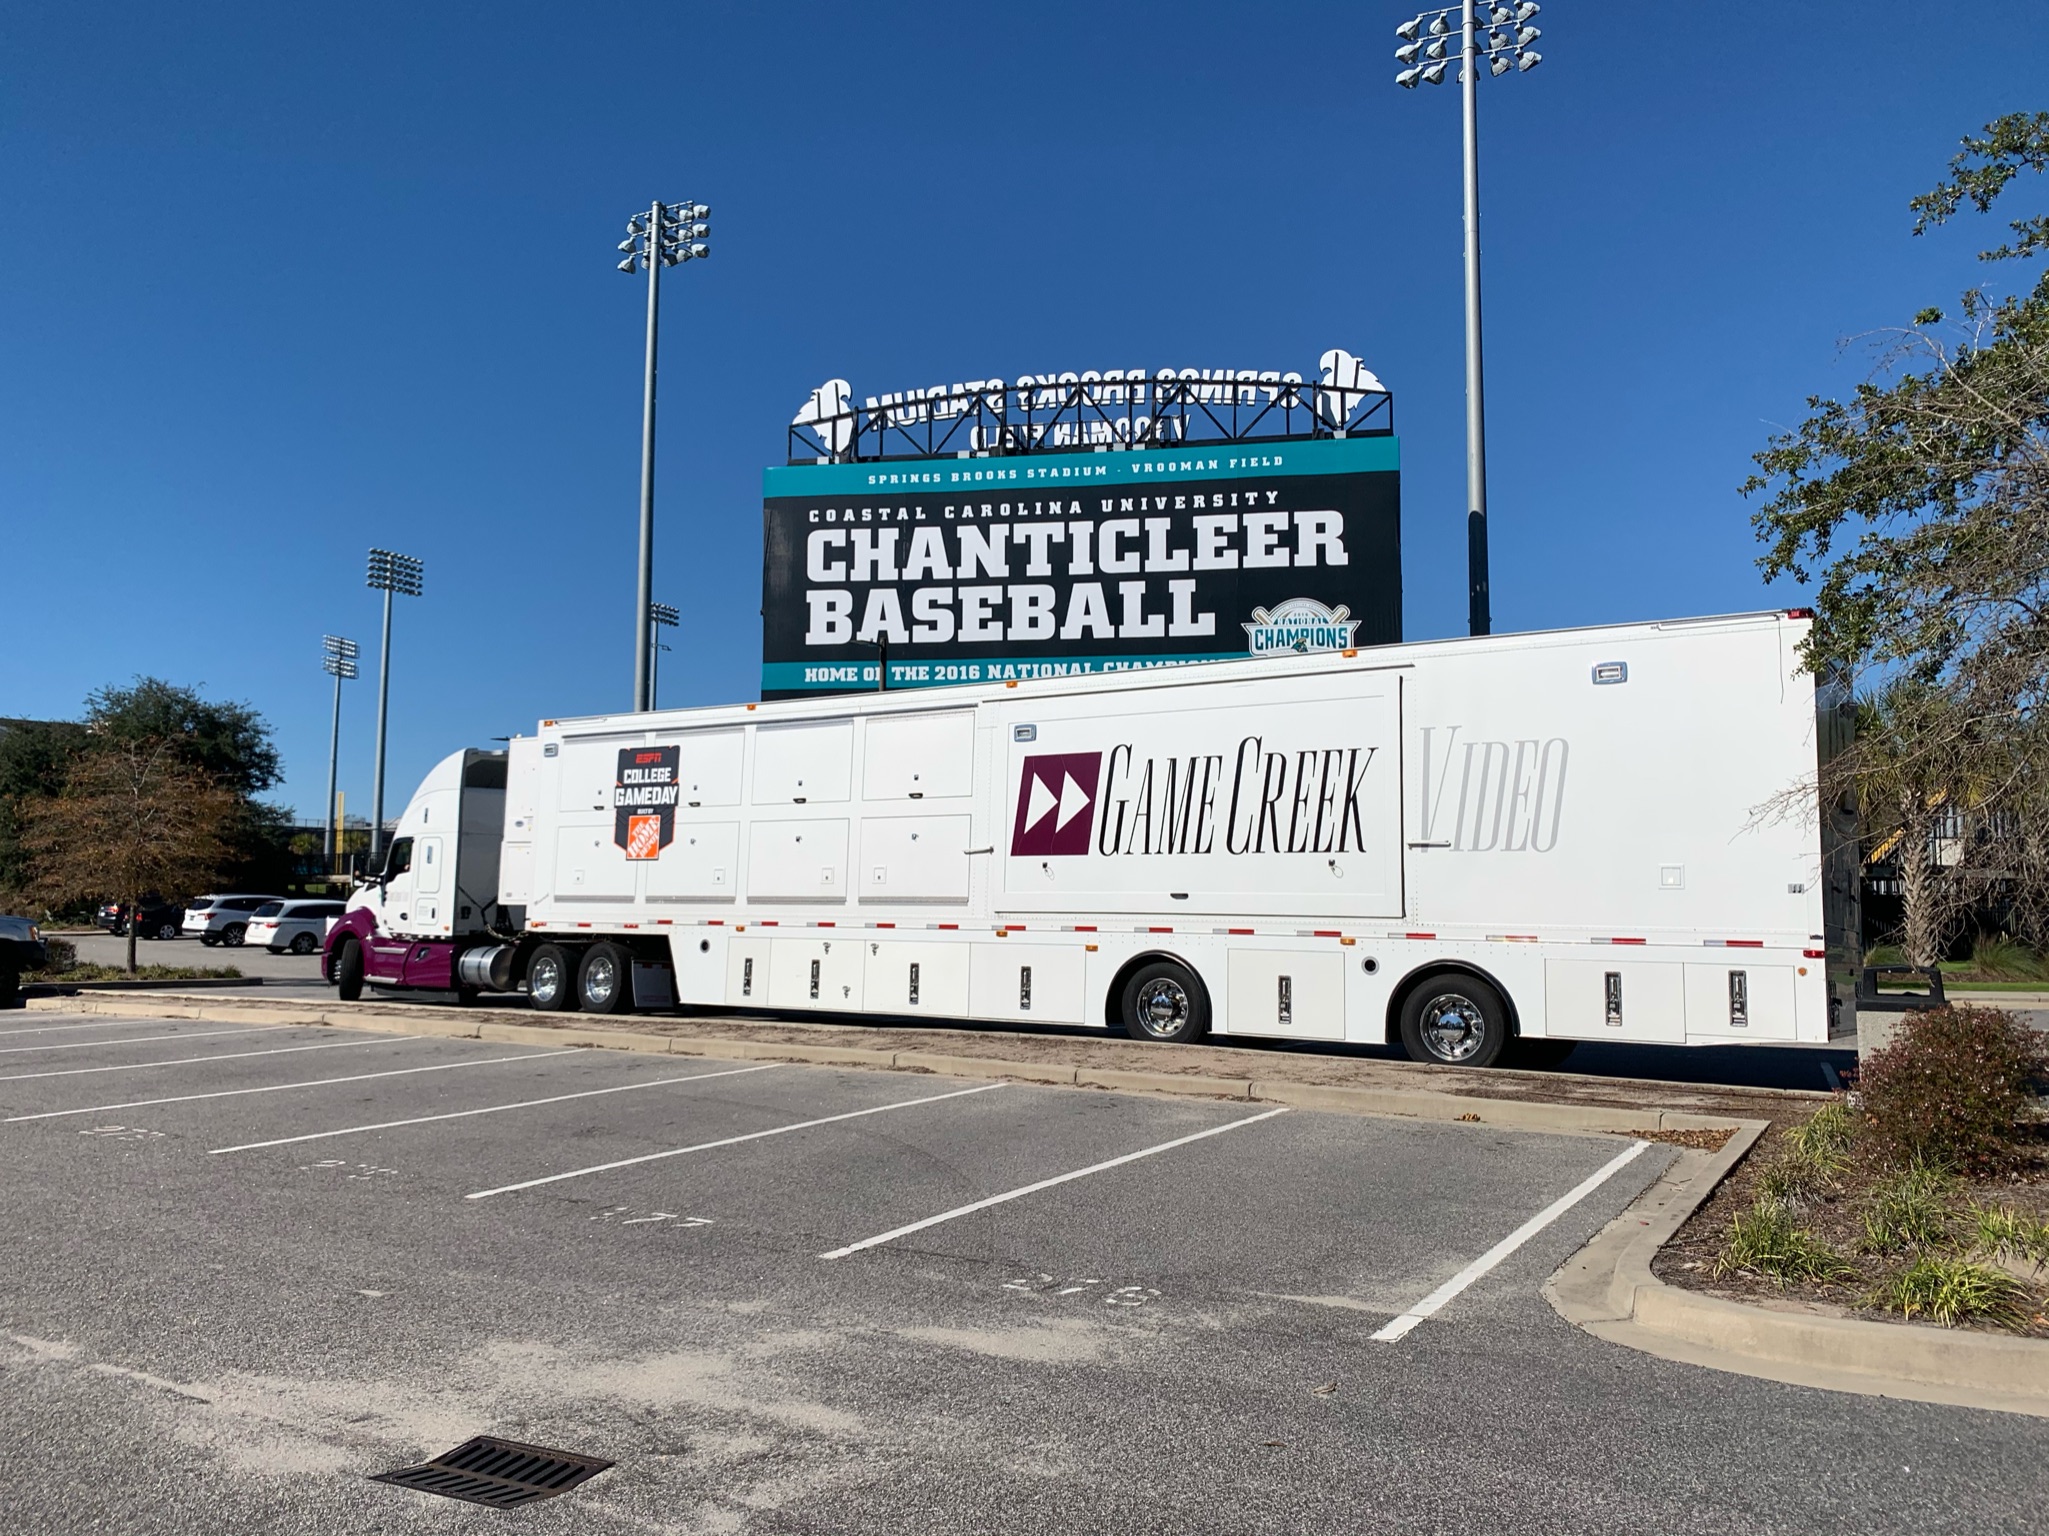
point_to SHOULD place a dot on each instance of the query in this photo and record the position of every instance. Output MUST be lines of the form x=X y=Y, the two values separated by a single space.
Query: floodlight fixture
x=1499 y=33
x=666 y=235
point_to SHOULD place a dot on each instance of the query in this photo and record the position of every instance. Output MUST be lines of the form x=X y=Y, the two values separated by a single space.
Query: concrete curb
x=1400 y=1103
x=1608 y=1290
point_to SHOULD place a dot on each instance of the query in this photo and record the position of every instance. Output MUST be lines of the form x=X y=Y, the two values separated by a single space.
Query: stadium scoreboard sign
x=1083 y=524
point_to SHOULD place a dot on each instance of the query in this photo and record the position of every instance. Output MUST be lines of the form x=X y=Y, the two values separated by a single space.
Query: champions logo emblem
x=1300 y=624
x=644 y=800
x=1056 y=804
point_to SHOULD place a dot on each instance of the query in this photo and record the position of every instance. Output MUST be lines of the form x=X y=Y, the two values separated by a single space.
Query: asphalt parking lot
x=249 y=1267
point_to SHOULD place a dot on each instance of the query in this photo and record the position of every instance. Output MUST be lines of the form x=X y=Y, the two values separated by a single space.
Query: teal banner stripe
x=1319 y=456
x=823 y=676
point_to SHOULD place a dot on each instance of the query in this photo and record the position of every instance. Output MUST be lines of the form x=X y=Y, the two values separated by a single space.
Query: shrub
x=1953 y=1087
x=1910 y=1209
x=1768 y=1241
x=1951 y=1290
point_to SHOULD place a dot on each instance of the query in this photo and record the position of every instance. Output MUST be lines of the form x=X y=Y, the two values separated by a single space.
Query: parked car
x=21 y=949
x=160 y=919
x=296 y=926
x=222 y=919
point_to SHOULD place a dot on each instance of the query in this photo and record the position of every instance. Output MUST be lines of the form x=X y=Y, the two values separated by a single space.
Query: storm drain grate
x=500 y=1473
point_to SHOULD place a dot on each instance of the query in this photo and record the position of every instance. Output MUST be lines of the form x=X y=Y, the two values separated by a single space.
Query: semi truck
x=1484 y=850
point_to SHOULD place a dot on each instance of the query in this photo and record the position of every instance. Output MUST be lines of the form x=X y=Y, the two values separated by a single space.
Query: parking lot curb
x=462 y=1023
x=1608 y=1289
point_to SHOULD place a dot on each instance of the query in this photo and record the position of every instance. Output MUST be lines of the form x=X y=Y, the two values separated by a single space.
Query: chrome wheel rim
x=601 y=979
x=1453 y=1027
x=545 y=981
x=1163 y=1007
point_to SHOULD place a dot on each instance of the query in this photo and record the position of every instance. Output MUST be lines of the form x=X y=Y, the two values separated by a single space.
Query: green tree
x=229 y=742
x=1921 y=502
x=132 y=817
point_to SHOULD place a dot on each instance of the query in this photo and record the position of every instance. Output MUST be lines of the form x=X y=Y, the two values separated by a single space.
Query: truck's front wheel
x=606 y=979
x=348 y=971
x=550 y=980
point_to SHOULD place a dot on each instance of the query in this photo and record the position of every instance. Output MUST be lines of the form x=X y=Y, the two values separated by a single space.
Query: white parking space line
x=186 y=1061
x=1400 y=1326
x=729 y=1141
x=1059 y=1178
x=52 y=1029
x=489 y=1109
x=203 y=1034
x=316 y=1082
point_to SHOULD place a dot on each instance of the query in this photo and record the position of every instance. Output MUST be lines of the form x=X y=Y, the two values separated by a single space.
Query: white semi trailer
x=1479 y=848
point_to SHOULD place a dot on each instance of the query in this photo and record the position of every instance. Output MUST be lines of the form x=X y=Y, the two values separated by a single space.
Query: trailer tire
x=604 y=982
x=1454 y=1019
x=551 y=980
x=348 y=971
x=1164 y=1002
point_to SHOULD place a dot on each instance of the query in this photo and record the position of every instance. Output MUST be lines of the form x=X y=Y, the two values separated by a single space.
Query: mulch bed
x=1689 y=1258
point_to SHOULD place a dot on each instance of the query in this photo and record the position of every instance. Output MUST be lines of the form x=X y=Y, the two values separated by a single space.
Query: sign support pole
x=1479 y=617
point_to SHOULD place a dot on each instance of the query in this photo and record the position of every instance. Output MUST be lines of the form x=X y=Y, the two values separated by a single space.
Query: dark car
x=21 y=949
x=160 y=919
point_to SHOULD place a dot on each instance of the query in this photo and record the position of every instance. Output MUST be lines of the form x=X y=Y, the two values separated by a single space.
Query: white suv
x=223 y=919
x=297 y=926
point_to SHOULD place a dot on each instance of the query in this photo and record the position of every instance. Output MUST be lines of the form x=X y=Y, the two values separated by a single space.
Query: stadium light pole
x=668 y=233
x=338 y=661
x=395 y=576
x=1506 y=47
x=660 y=616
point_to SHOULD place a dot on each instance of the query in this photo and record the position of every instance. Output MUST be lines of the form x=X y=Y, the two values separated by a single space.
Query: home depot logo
x=1056 y=804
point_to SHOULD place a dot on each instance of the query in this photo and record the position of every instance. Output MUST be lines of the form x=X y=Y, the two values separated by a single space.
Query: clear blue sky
x=278 y=283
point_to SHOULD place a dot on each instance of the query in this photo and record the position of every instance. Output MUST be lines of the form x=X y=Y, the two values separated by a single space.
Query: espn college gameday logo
x=1056 y=804
x=644 y=800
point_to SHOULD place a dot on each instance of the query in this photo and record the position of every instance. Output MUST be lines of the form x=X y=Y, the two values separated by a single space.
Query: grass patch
x=1909 y=1209
x=2004 y=1233
x=1951 y=1290
x=1768 y=1240
x=85 y=972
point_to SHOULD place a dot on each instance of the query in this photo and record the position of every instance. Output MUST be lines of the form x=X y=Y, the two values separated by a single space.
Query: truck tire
x=1455 y=1020
x=1164 y=1002
x=348 y=971
x=604 y=982
x=551 y=980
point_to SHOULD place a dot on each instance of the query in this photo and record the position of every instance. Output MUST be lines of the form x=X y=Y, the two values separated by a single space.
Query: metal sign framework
x=1077 y=415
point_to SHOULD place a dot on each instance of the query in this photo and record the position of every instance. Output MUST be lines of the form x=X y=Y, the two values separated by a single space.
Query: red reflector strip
x=1814 y=954
x=1242 y=932
x=715 y=922
x=1083 y=928
x=583 y=925
x=633 y=925
x=771 y=922
x=885 y=925
x=1159 y=930
x=825 y=925
x=1015 y=927
x=665 y=922
x=1325 y=933
x=945 y=927
x=1412 y=936
x=1617 y=941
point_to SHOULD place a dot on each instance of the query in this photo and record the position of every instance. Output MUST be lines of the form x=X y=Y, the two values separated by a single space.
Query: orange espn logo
x=643 y=837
